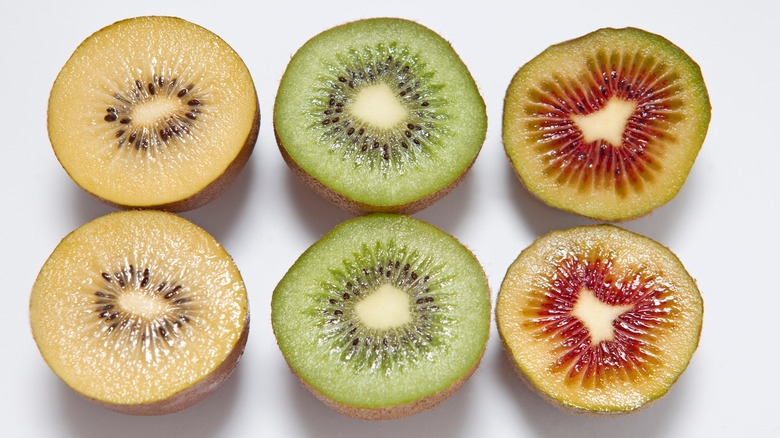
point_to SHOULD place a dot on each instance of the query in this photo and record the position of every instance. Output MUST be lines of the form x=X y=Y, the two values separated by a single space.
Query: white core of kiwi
x=597 y=316
x=158 y=107
x=139 y=303
x=378 y=106
x=608 y=123
x=386 y=308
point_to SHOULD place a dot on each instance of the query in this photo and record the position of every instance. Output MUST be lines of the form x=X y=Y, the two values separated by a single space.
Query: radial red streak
x=590 y=159
x=627 y=351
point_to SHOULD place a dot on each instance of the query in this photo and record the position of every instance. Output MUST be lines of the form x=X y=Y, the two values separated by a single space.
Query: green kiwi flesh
x=379 y=115
x=607 y=125
x=153 y=112
x=383 y=317
x=598 y=319
x=141 y=312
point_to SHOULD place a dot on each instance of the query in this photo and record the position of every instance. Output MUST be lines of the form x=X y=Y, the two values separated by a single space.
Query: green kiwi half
x=607 y=125
x=379 y=115
x=383 y=317
x=153 y=112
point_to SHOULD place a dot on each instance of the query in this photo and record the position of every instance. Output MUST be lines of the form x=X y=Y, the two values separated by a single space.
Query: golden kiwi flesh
x=141 y=312
x=153 y=112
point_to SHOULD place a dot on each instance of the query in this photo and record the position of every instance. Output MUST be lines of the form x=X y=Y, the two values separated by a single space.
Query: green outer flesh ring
x=325 y=374
x=519 y=145
x=467 y=118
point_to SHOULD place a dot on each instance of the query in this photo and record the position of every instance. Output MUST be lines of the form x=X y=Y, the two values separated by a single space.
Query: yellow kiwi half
x=141 y=312
x=153 y=112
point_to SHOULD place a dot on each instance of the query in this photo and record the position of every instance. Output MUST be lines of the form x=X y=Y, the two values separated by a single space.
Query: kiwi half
x=607 y=125
x=141 y=312
x=383 y=317
x=379 y=115
x=600 y=320
x=153 y=112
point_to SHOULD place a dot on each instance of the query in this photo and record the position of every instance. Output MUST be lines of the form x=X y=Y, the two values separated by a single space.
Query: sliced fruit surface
x=383 y=317
x=153 y=112
x=607 y=125
x=599 y=319
x=379 y=115
x=142 y=312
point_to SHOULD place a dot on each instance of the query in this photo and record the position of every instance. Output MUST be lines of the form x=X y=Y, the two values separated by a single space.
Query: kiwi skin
x=358 y=208
x=393 y=412
x=189 y=396
x=562 y=406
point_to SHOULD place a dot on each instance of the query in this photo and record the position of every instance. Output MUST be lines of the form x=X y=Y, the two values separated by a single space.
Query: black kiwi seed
x=353 y=339
x=173 y=292
x=145 y=279
x=118 y=320
x=161 y=131
x=376 y=67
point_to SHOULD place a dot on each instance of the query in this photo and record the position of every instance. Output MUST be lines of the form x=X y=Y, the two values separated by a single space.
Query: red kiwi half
x=607 y=125
x=599 y=319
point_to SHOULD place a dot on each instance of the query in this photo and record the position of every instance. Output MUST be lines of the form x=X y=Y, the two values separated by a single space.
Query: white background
x=722 y=225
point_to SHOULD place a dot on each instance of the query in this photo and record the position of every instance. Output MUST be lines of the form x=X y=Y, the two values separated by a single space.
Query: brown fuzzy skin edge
x=358 y=208
x=564 y=407
x=398 y=411
x=580 y=214
x=211 y=191
x=557 y=403
x=191 y=395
